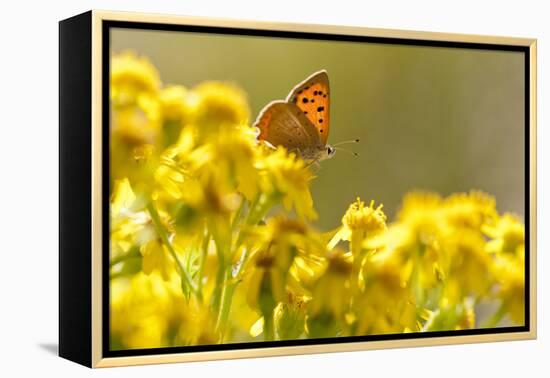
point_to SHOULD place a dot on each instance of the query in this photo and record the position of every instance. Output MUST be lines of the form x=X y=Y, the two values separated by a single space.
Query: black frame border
x=107 y=25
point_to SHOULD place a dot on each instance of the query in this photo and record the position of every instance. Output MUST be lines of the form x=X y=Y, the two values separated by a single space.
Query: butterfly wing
x=312 y=96
x=284 y=124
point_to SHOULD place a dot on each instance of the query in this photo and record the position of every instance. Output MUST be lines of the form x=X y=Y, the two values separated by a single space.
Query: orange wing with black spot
x=312 y=96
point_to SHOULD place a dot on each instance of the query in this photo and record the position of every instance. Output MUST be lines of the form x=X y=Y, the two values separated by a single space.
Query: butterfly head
x=319 y=154
x=330 y=151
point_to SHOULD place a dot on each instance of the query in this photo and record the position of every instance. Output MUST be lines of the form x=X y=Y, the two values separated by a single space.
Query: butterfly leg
x=316 y=164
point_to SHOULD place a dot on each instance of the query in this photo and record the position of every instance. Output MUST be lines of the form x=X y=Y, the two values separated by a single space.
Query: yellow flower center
x=365 y=218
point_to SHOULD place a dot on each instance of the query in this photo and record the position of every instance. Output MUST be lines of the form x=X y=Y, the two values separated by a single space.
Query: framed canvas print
x=236 y=189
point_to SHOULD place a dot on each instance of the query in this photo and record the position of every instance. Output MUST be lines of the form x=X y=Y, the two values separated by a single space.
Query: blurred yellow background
x=438 y=119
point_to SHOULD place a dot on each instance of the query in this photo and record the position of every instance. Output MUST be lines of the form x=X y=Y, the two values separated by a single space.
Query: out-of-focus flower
x=156 y=257
x=507 y=246
x=138 y=124
x=385 y=303
x=422 y=213
x=136 y=118
x=470 y=210
x=176 y=111
x=287 y=175
x=273 y=247
x=509 y=271
x=150 y=312
x=136 y=111
x=331 y=296
x=132 y=226
x=132 y=76
x=219 y=105
x=234 y=153
x=174 y=104
x=129 y=221
x=175 y=166
x=140 y=308
x=468 y=266
x=507 y=235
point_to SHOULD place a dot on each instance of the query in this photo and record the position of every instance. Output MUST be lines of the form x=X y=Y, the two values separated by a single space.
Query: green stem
x=225 y=302
x=216 y=297
x=112 y=276
x=122 y=258
x=225 y=284
x=231 y=282
x=252 y=208
x=238 y=216
x=260 y=206
x=164 y=238
x=204 y=256
x=269 y=334
x=415 y=277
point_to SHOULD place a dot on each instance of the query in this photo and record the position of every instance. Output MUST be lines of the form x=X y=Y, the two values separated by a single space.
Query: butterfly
x=301 y=122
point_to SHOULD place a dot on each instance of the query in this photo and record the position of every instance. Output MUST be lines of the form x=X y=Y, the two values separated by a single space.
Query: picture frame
x=85 y=189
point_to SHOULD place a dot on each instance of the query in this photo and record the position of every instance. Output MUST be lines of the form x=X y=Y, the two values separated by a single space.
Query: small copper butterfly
x=301 y=122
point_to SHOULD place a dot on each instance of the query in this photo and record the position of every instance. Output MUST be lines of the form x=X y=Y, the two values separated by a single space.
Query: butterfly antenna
x=346 y=151
x=346 y=142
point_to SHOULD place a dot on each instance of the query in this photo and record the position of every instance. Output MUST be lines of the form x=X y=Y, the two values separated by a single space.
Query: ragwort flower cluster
x=211 y=237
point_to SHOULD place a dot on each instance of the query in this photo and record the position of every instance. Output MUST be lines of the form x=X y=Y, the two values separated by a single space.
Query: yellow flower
x=128 y=220
x=510 y=274
x=290 y=316
x=266 y=277
x=507 y=234
x=287 y=175
x=425 y=264
x=176 y=111
x=136 y=117
x=124 y=201
x=469 y=266
x=359 y=224
x=274 y=247
x=132 y=227
x=331 y=296
x=136 y=127
x=385 y=303
x=306 y=269
x=173 y=99
x=150 y=312
x=135 y=140
x=175 y=166
x=200 y=327
x=422 y=213
x=470 y=210
x=219 y=105
x=508 y=247
x=187 y=171
x=233 y=152
x=367 y=219
x=156 y=257
x=132 y=76
x=139 y=309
